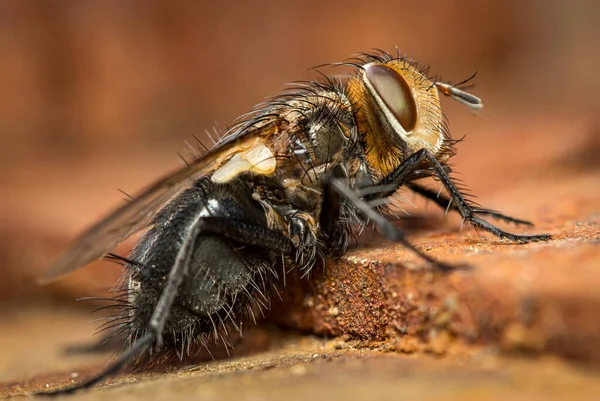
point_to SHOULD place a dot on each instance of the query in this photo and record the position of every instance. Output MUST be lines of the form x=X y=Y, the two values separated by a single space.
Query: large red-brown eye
x=395 y=93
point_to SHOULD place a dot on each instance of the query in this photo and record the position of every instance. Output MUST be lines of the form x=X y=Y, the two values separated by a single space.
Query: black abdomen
x=225 y=280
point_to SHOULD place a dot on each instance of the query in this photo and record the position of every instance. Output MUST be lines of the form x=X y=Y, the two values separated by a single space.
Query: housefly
x=288 y=185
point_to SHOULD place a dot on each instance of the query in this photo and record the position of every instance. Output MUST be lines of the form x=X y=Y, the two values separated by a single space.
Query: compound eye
x=395 y=93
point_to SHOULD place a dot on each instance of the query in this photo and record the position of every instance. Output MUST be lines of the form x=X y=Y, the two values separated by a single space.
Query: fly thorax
x=321 y=126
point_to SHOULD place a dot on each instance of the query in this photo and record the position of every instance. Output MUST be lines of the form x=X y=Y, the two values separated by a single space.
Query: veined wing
x=125 y=221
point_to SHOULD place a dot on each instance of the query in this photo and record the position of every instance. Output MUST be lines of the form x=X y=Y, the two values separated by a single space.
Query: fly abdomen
x=225 y=280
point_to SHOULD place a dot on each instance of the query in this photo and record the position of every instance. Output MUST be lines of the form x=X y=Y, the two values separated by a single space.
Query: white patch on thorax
x=258 y=159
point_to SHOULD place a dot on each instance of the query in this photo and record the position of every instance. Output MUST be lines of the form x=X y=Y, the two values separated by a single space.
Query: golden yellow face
x=398 y=112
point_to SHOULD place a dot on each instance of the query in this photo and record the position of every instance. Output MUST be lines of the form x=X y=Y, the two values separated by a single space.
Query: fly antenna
x=471 y=101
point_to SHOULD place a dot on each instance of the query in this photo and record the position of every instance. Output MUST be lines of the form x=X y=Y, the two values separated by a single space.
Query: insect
x=287 y=186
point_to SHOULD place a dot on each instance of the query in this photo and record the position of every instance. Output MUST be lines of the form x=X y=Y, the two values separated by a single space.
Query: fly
x=287 y=186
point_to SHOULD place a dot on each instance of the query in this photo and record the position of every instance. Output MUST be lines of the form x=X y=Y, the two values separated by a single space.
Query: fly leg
x=334 y=229
x=138 y=348
x=386 y=227
x=399 y=176
x=336 y=190
x=246 y=233
x=302 y=233
x=445 y=203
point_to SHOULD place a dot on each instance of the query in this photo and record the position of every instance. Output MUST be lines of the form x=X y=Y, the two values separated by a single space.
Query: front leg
x=445 y=203
x=401 y=174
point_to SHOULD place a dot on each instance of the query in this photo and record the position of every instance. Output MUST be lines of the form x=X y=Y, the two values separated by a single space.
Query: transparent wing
x=125 y=221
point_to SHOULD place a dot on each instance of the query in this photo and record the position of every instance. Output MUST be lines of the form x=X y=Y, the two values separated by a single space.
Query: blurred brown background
x=100 y=95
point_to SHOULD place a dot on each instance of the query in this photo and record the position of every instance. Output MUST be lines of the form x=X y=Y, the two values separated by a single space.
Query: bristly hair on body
x=292 y=182
x=320 y=101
